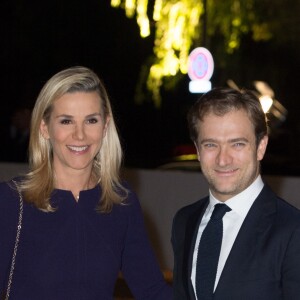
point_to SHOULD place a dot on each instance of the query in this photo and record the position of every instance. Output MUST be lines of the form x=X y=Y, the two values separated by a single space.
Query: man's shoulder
x=285 y=211
x=187 y=217
x=193 y=208
x=288 y=212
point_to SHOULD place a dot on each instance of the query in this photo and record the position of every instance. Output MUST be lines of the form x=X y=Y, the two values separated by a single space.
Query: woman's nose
x=78 y=132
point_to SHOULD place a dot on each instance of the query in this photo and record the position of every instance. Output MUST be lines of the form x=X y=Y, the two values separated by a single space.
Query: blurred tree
x=179 y=25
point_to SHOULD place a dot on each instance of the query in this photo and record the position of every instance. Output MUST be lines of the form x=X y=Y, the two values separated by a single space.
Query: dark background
x=40 y=38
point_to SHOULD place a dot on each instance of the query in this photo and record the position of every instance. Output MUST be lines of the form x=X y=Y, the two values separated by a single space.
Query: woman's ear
x=44 y=130
x=106 y=125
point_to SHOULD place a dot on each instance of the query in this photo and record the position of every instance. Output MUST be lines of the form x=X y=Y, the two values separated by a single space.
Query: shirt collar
x=241 y=202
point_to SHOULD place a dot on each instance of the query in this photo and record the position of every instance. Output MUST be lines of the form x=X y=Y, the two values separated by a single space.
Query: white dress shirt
x=232 y=222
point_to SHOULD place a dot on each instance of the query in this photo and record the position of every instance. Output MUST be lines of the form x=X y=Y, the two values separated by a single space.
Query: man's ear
x=197 y=149
x=44 y=130
x=262 y=146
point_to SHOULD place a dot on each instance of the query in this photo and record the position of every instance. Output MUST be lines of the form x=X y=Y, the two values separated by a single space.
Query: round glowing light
x=199 y=86
x=200 y=64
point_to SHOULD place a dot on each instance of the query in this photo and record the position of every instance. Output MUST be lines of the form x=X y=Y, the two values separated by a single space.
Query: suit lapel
x=243 y=252
x=191 y=235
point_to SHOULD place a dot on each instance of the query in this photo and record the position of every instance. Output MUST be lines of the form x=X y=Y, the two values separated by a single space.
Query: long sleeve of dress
x=139 y=265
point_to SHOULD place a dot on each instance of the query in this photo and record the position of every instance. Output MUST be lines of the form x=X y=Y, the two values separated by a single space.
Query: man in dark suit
x=259 y=235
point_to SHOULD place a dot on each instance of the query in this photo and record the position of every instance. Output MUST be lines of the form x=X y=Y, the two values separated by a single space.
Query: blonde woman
x=81 y=225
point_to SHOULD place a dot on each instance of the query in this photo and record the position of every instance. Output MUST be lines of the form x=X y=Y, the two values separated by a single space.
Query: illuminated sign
x=200 y=70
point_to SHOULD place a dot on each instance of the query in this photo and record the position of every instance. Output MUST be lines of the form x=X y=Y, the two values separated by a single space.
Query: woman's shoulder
x=130 y=201
x=7 y=188
x=8 y=193
x=131 y=197
x=9 y=203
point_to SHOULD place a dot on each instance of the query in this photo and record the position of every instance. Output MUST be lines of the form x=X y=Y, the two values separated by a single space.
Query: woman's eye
x=65 y=121
x=92 y=121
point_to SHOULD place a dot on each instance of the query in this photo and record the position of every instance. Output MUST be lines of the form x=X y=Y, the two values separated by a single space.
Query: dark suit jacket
x=264 y=262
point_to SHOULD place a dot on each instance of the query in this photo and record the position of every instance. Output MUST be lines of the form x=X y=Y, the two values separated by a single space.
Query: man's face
x=228 y=154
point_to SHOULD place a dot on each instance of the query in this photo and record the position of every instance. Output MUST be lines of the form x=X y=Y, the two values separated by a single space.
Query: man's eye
x=238 y=145
x=209 y=145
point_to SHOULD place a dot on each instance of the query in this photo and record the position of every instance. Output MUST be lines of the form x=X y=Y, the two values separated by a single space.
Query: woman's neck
x=75 y=182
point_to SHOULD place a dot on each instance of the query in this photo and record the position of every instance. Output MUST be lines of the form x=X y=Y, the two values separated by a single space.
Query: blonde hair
x=38 y=183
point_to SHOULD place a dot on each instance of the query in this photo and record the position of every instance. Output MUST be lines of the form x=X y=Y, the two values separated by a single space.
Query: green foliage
x=230 y=20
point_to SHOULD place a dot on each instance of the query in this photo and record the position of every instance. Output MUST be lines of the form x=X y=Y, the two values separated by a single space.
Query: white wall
x=162 y=193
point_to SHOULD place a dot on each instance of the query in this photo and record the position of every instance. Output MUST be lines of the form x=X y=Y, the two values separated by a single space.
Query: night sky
x=40 y=38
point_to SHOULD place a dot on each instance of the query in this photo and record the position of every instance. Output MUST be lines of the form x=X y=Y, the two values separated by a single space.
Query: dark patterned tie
x=209 y=252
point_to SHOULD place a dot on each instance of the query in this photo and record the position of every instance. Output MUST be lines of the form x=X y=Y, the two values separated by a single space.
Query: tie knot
x=219 y=211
